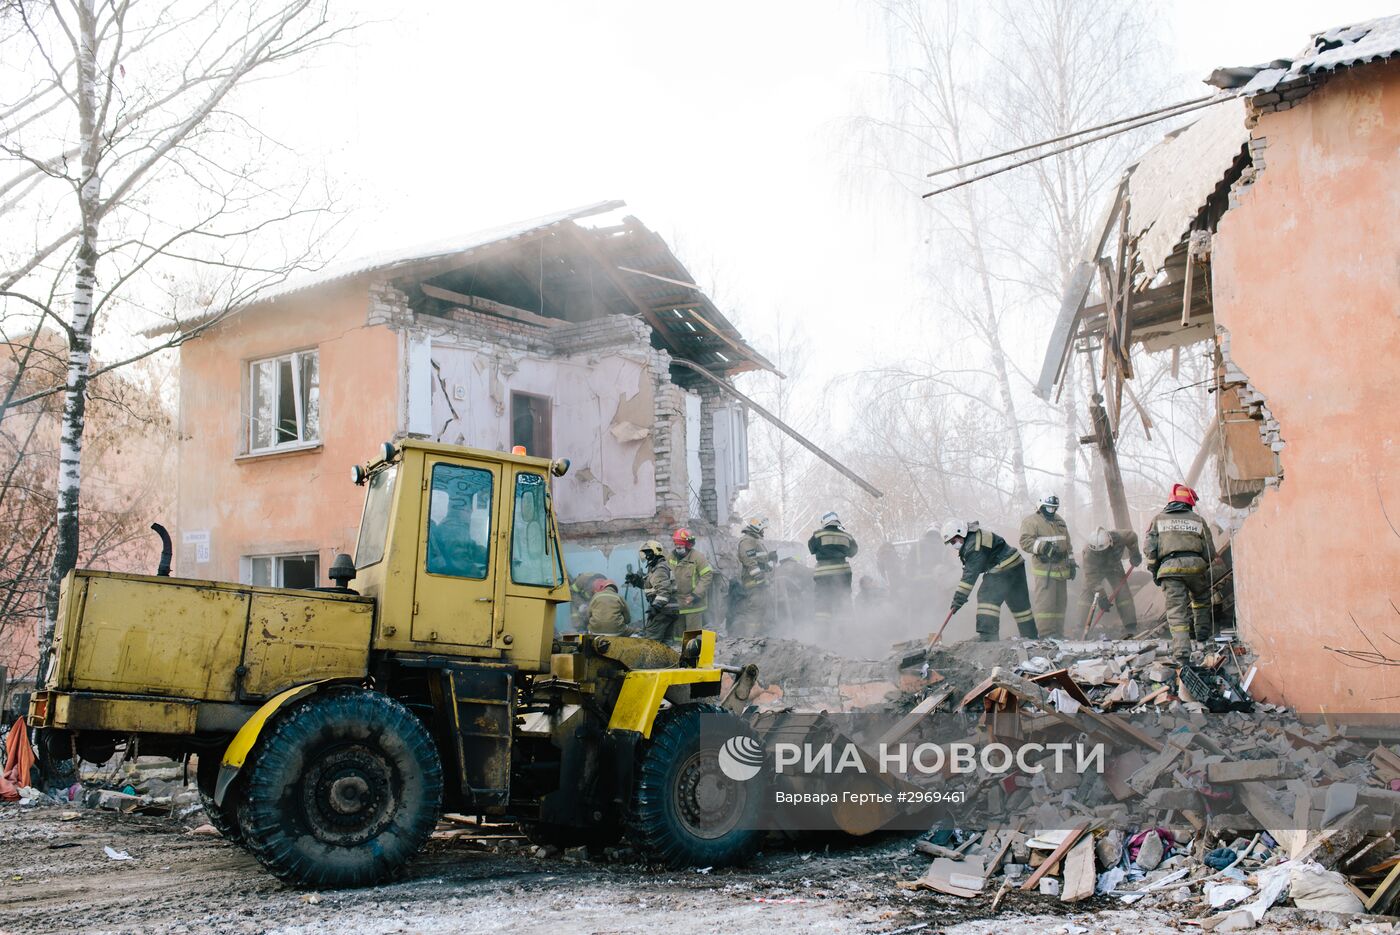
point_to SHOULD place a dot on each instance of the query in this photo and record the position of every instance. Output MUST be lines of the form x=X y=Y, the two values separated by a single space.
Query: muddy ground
x=57 y=878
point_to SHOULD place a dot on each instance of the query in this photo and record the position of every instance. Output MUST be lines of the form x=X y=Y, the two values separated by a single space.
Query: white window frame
x=301 y=441
x=275 y=569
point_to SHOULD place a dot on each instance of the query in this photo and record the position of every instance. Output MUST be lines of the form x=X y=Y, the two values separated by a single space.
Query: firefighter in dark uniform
x=831 y=580
x=1003 y=574
x=1045 y=538
x=659 y=589
x=1179 y=551
x=1103 y=573
x=754 y=594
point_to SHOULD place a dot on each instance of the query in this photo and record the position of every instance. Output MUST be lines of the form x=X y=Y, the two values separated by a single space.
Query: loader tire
x=224 y=817
x=344 y=791
x=685 y=811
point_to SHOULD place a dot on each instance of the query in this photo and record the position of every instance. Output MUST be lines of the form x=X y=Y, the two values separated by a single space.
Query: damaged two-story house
x=584 y=342
x=1265 y=233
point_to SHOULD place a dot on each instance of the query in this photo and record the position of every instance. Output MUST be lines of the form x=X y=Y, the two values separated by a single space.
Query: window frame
x=427 y=526
x=275 y=577
x=544 y=430
x=551 y=542
x=294 y=359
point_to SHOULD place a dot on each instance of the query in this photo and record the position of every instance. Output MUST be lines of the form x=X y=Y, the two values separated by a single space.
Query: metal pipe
x=1067 y=136
x=163 y=569
x=1065 y=149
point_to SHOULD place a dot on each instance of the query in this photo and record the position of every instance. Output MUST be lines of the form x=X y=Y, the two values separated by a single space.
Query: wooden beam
x=788 y=430
x=1070 y=840
x=489 y=306
x=674 y=282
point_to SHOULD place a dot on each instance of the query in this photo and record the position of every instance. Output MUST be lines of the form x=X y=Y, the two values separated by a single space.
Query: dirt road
x=58 y=878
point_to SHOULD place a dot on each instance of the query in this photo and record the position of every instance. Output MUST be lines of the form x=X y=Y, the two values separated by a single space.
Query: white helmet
x=1050 y=502
x=831 y=519
x=954 y=529
x=1100 y=539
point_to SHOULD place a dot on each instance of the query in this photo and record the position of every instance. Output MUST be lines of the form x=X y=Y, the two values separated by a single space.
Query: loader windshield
x=374 y=525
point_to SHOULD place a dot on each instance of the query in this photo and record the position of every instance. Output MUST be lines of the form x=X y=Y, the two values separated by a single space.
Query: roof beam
x=782 y=426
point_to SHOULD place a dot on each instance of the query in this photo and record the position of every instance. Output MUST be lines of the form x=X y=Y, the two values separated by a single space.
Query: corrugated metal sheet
x=1375 y=40
x=1174 y=180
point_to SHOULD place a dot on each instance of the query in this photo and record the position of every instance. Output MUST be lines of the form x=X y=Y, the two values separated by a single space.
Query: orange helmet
x=602 y=583
x=1182 y=494
x=683 y=537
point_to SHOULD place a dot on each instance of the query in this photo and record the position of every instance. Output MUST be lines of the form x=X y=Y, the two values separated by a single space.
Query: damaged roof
x=1375 y=40
x=1175 y=180
x=549 y=267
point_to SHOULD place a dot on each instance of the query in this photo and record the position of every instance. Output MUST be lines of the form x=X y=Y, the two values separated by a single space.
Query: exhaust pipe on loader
x=163 y=569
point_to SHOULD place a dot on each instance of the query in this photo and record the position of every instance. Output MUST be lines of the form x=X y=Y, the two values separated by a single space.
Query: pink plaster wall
x=298 y=501
x=1306 y=276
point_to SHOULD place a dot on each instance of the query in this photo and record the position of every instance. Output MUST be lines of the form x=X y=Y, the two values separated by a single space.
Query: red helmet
x=602 y=583
x=1182 y=494
x=682 y=537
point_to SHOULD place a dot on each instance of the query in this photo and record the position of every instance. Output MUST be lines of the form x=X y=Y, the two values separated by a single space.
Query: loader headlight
x=690 y=653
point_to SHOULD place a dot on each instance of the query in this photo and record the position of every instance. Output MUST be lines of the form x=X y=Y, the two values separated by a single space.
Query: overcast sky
x=714 y=121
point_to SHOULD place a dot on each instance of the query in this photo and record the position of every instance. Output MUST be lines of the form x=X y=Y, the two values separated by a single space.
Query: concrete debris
x=1214 y=804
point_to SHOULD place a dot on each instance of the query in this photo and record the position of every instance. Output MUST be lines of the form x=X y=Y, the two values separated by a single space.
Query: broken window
x=530 y=424
x=284 y=401
x=298 y=570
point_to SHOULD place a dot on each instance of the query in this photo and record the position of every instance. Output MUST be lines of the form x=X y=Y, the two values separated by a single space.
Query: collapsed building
x=1267 y=229
x=591 y=343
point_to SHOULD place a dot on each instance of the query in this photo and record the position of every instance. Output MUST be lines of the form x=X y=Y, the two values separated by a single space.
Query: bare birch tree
x=130 y=170
x=967 y=80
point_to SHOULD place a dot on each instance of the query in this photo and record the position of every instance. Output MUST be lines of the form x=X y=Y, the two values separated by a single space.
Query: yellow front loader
x=332 y=726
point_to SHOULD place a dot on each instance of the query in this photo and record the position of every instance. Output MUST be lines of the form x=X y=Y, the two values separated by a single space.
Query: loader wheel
x=343 y=792
x=685 y=810
x=224 y=817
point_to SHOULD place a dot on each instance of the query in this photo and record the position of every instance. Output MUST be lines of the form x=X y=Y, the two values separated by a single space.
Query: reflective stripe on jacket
x=692 y=574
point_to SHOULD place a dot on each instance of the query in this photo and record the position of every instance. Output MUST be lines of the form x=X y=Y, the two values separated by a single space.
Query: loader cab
x=460 y=549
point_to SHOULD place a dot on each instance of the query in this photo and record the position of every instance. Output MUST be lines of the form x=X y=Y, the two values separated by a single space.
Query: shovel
x=1095 y=618
x=939 y=635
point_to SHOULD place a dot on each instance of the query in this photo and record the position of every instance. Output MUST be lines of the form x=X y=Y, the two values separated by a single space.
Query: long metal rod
x=1069 y=136
x=786 y=429
x=1072 y=146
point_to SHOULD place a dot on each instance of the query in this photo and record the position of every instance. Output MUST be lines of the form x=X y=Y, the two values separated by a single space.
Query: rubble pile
x=1212 y=804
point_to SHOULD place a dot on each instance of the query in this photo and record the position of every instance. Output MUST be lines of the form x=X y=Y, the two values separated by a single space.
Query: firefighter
x=692 y=572
x=754 y=593
x=1003 y=574
x=1179 y=551
x=659 y=588
x=1103 y=572
x=580 y=596
x=831 y=581
x=607 y=611
x=1045 y=538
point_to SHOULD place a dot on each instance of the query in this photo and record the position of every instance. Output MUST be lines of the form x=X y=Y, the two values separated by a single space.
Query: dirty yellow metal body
x=448 y=639
x=142 y=653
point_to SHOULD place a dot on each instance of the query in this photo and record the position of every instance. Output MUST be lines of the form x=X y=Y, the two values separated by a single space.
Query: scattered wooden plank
x=1079 y=872
x=490 y=307
x=1070 y=840
x=1383 y=895
x=910 y=720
